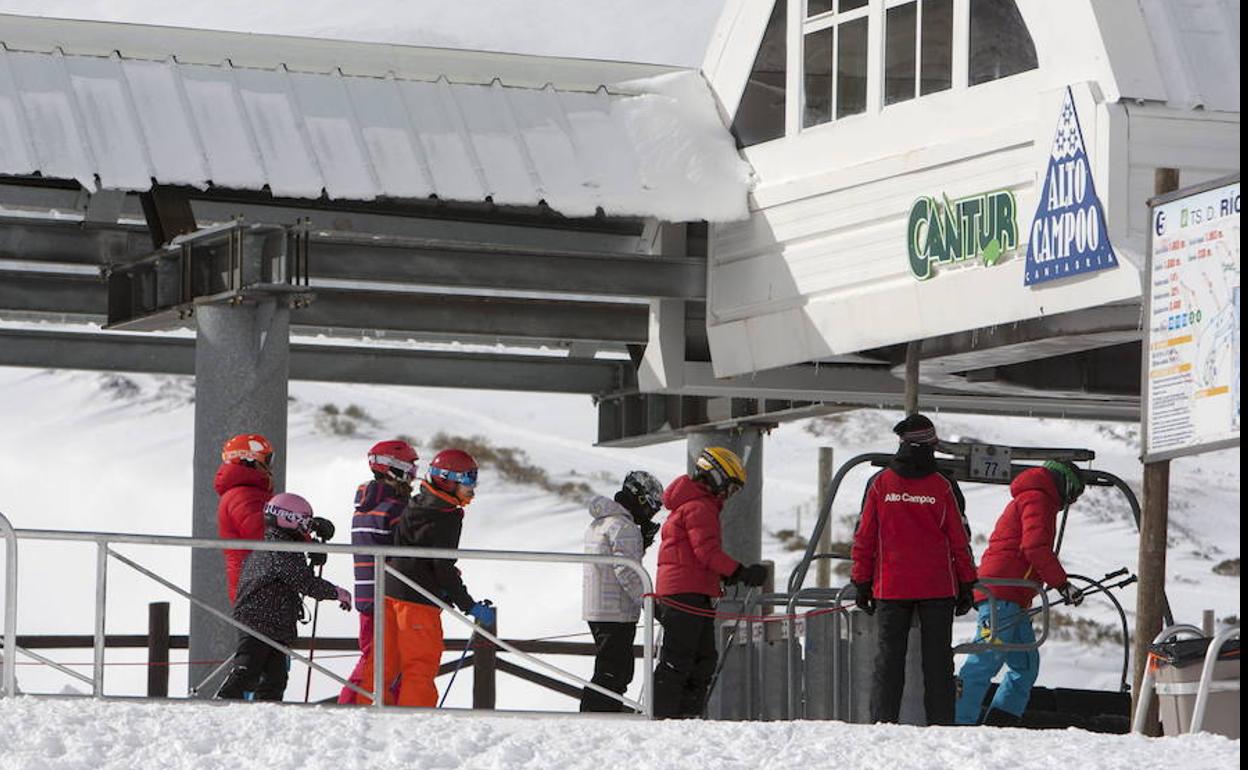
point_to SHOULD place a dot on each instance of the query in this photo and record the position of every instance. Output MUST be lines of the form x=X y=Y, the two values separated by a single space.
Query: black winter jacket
x=269 y=590
x=429 y=522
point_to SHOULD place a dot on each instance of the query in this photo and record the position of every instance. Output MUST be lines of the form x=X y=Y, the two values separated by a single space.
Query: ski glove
x=483 y=612
x=648 y=530
x=344 y=597
x=1072 y=596
x=965 y=600
x=864 y=598
x=316 y=559
x=754 y=575
x=322 y=528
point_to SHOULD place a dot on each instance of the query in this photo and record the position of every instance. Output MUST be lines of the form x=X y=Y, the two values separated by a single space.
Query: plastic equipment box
x=1177 y=668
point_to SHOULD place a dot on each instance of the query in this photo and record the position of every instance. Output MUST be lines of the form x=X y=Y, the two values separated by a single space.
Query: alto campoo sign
x=982 y=226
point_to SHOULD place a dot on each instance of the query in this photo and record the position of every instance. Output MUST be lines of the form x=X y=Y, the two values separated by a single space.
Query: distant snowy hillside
x=113 y=452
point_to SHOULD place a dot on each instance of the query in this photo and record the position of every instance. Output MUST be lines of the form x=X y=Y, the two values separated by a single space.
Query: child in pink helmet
x=269 y=601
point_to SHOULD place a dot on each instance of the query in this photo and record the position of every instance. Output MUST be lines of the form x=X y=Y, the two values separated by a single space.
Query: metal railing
x=105 y=540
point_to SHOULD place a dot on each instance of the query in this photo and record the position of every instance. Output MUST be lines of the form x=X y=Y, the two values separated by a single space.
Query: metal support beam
x=322 y=363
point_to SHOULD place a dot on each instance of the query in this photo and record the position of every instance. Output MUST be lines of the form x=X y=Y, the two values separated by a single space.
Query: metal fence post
x=379 y=631
x=101 y=592
x=8 y=662
x=158 y=650
x=484 y=657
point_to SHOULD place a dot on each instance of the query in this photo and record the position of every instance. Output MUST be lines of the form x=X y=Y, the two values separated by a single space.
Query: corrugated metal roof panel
x=658 y=148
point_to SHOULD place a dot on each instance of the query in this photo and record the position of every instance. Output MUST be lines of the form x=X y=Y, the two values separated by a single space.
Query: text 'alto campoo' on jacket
x=691 y=560
x=378 y=507
x=240 y=513
x=431 y=522
x=910 y=543
x=611 y=594
x=1021 y=545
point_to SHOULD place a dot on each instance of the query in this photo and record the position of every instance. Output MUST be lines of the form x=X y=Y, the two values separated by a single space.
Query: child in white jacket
x=613 y=594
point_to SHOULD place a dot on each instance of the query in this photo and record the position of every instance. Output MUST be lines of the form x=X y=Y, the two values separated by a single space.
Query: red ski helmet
x=247 y=449
x=450 y=468
x=394 y=459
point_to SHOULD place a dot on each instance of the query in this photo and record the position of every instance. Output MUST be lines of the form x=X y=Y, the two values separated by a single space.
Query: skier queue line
x=8 y=676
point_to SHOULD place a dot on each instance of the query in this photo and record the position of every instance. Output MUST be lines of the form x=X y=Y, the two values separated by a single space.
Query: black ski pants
x=257 y=668
x=613 y=665
x=687 y=659
x=893 y=619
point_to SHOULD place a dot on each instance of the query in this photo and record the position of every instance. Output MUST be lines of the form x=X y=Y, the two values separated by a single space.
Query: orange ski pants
x=413 y=637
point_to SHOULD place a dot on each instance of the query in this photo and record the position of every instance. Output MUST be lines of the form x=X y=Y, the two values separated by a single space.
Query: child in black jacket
x=270 y=601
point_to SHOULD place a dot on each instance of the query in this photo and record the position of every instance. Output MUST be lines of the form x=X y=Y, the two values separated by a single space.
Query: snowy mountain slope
x=89 y=451
x=82 y=734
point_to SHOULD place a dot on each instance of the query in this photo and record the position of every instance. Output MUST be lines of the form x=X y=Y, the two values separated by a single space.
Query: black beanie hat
x=916 y=429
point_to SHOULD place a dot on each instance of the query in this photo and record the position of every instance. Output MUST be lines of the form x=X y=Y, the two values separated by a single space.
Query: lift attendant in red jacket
x=245 y=484
x=691 y=566
x=911 y=556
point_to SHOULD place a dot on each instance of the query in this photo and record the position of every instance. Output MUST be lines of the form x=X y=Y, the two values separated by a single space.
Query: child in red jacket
x=691 y=566
x=245 y=484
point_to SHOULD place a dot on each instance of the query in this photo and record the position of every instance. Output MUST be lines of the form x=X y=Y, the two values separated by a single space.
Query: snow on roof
x=122 y=106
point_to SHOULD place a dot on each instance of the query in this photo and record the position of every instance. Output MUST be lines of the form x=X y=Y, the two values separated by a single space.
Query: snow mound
x=85 y=734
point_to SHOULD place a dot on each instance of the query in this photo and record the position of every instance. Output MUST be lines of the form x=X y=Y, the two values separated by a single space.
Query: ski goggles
x=406 y=470
x=467 y=478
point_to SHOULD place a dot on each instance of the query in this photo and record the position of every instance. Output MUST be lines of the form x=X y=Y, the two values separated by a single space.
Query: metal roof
x=122 y=107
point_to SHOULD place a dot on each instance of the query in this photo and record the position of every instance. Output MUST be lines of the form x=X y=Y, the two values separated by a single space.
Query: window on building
x=834 y=60
x=920 y=31
x=760 y=115
x=1000 y=44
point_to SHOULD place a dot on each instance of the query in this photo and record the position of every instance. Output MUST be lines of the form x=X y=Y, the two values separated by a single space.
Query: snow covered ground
x=80 y=734
x=88 y=451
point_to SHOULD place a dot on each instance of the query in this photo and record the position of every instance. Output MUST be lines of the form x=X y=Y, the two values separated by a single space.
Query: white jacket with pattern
x=612 y=594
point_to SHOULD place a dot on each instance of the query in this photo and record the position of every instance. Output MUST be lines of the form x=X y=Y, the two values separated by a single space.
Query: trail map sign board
x=1190 y=387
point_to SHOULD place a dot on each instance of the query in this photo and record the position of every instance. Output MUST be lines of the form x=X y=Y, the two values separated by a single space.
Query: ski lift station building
x=706 y=252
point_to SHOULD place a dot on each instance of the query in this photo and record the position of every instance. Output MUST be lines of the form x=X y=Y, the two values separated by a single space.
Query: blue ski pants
x=1014 y=627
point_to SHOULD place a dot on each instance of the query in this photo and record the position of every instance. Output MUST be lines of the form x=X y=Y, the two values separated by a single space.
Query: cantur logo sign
x=982 y=226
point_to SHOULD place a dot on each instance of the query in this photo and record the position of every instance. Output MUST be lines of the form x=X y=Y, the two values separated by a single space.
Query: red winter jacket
x=690 y=559
x=240 y=512
x=910 y=543
x=1021 y=545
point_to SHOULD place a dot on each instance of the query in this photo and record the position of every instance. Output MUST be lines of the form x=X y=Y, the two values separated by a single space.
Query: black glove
x=864 y=598
x=317 y=559
x=965 y=600
x=322 y=528
x=648 y=530
x=1071 y=595
x=753 y=575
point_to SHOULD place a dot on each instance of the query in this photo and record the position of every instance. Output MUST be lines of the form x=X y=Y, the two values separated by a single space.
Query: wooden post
x=158 y=650
x=484 y=656
x=1154 y=527
x=823 y=568
x=912 y=376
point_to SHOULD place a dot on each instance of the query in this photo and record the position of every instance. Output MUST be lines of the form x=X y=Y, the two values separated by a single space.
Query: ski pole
x=316 y=611
x=719 y=665
x=1102 y=588
x=458 y=664
x=195 y=690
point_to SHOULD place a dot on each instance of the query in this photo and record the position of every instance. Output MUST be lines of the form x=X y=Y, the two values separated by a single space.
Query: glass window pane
x=851 y=68
x=1000 y=43
x=851 y=5
x=817 y=78
x=760 y=116
x=816 y=7
x=936 y=70
x=899 y=26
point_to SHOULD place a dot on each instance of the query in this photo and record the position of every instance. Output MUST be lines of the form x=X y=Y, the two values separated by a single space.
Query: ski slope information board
x=1190 y=385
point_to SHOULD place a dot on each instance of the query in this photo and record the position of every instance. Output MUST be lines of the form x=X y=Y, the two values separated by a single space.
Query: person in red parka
x=691 y=566
x=910 y=556
x=245 y=484
x=1021 y=548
